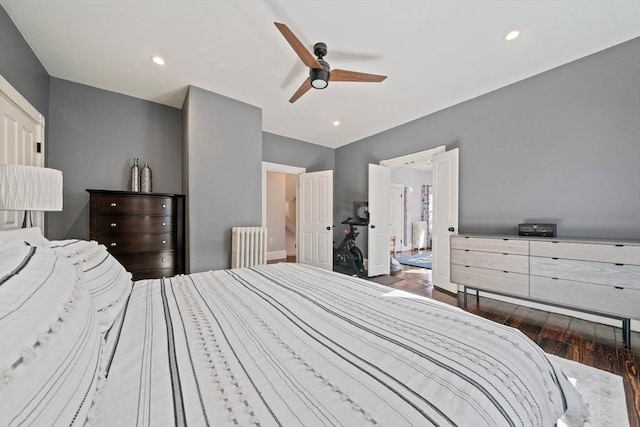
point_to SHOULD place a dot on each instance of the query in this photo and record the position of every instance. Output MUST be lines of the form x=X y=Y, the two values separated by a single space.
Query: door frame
x=21 y=102
x=275 y=167
x=418 y=157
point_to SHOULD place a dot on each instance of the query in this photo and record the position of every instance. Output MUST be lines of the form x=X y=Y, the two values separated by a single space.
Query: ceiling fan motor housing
x=320 y=77
x=320 y=49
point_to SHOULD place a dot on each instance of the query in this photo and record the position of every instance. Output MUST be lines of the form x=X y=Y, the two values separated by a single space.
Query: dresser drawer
x=511 y=246
x=621 y=254
x=147 y=261
x=604 y=299
x=123 y=243
x=120 y=204
x=491 y=280
x=492 y=260
x=600 y=273
x=122 y=224
x=154 y=274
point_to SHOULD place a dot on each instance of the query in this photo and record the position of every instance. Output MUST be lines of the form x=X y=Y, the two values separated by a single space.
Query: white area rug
x=603 y=392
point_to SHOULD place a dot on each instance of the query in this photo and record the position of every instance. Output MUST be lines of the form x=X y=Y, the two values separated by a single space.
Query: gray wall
x=223 y=143
x=94 y=136
x=562 y=147
x=20 y=66
x=292 y=152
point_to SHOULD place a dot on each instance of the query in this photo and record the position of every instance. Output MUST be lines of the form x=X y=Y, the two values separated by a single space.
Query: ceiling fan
x=320 y=74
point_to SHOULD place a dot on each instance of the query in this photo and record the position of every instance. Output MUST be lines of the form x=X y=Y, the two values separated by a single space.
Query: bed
x=281 y=345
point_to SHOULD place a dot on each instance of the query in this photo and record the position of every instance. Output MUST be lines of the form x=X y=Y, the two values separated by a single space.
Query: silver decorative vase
x=135 y=176
x=145 y=179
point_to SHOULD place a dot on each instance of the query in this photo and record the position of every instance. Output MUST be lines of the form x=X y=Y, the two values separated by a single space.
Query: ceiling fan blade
x=354 y=76
x=304 y=87
x=307 y=58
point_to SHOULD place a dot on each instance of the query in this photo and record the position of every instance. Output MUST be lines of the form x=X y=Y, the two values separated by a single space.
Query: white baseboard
x=276 y=255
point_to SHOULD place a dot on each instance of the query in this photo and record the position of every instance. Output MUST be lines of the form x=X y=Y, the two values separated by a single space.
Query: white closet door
x=20 y=133
x=315 y=219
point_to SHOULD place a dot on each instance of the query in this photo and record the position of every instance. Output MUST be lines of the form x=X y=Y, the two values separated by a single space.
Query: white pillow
x=108 y=282
x=32 y=235
x=51 y=346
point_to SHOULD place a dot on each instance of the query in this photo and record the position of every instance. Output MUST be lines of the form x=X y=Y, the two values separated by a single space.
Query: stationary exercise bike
x=347 y=255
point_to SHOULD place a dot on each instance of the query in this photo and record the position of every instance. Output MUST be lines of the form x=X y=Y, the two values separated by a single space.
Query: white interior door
x=396 y=214
x=315 y=219
x=445 y=215
x=21 y=129
x=379 y=185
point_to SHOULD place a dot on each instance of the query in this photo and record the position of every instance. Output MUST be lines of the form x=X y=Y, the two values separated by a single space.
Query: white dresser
x=594 y=276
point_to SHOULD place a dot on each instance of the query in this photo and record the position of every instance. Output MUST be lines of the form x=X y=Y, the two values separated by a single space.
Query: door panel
x=445 y=215
x=379 y=184
x=315 y=196
x=19 y=135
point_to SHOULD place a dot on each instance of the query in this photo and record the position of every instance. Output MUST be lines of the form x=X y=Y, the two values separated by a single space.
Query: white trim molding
x=425 y=156
x=20 y=101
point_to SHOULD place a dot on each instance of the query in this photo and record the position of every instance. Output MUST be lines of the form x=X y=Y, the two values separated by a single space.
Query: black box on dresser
x=144 y=231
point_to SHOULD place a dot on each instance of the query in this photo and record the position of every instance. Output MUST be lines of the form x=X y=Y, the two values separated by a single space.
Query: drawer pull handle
x=164 y=206
x=164 y=223
x=113 y=224
x=113 y=245
x=619 y=264
x=506 y=240
x=466 y=250
x=554 y=278
x=466 y=266
x=619 y=246
x=554 y=258
x=505 y=271
x=504 y=253
x=619 y=287
x=164 y=260
x=114 y=204
x=555 y=242
x=164 y=241
x=466 y=237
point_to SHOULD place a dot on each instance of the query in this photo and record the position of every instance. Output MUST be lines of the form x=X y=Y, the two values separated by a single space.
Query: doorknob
x=328 y=228
x=373 y=226
x=451 y=229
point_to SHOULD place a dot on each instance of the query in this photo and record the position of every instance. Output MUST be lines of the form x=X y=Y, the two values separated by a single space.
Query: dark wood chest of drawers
x=144 y=231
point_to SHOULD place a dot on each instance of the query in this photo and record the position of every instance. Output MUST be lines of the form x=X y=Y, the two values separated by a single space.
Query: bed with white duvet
x=272 y=345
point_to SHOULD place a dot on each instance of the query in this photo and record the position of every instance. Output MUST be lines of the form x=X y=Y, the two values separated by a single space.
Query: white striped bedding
x=288 y=345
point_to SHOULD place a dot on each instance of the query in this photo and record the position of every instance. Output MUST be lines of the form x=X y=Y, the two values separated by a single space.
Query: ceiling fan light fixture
x=319 y=78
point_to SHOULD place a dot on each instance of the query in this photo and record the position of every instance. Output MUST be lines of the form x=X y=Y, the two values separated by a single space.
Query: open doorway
x=411 y=206
x=281 y=216
x=280 y=210
x=444 y=208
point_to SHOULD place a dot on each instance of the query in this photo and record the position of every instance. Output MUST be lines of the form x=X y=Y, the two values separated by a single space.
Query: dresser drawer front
x=131 y=205
x=126 y=243
x=492 y=260
x=491 y=280
x=121 y=224
x=154 y=274
x=511 y=246
x=604 y=299
x=626 y=276
x=147 y=261
x=621 y=254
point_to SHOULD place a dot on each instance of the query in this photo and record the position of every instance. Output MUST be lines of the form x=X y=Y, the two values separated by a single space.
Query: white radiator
x=248 y=246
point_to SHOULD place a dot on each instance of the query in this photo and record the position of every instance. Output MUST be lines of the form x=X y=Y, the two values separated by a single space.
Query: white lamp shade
x=30 y=188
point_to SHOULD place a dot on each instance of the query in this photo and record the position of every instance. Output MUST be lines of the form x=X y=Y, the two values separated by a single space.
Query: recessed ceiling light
x=157 y=60
x=512 y=35
x=336 y=123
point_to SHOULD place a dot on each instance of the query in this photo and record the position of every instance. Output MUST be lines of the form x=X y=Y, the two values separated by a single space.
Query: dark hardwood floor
x=593 y=344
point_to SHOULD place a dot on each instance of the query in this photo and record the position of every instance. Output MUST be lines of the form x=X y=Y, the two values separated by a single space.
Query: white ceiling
x=436 y=53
